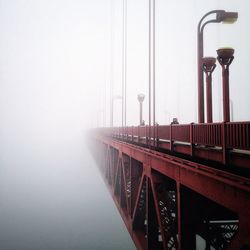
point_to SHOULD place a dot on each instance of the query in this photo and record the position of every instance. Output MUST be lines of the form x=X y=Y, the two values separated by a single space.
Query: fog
x=53 y=197
x=57 y=60
x=175 y=58
x=51 y=64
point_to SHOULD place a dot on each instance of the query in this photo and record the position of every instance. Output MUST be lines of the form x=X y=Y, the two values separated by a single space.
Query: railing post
x=157 y=135
x=123 y=133
x=147 y=134
x=170 y=143
x=223 y=141
x=138 y=130
x=191 y=139
x=132 y=134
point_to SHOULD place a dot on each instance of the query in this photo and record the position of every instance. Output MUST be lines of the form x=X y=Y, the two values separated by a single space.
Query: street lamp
x=208 y=66
x=221 y=16
x=140 y=98
x=225 y=58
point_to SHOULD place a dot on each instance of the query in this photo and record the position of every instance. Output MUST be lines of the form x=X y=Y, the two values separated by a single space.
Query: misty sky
x=56 y=58
x=51 y=64
x=175 y=56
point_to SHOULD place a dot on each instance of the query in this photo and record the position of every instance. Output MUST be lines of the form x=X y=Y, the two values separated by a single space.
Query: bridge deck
x=168 y=202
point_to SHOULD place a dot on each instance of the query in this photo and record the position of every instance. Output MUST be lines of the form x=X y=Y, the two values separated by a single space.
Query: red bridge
x=167 y=200
x=181 y=186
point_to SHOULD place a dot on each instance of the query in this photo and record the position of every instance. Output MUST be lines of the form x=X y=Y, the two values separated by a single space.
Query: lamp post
x=225 y=58
x=221 y=16
x=208 y=65
x=140 y=98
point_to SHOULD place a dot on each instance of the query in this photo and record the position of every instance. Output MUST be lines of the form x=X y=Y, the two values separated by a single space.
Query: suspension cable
x=124 y=62
x=153 y=69
x=149 y=70
x=111 y=63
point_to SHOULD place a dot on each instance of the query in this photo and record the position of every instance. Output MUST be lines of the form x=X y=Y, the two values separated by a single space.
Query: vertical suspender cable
x=125 y=62
x=104 y=100
x=153 y=69
x=149 y=71
x=111 y=64
x=123 y=2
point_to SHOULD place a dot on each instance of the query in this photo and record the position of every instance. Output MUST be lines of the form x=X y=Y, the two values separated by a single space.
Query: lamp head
x=227 y=17
x=225 y=55
x=140 y=97
x=208 y=63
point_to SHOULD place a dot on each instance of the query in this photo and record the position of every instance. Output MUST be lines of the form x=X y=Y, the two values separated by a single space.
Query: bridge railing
x=180 y=133
x=220 y=136
x=238 y=135
x=208 y=134
x=163 y=132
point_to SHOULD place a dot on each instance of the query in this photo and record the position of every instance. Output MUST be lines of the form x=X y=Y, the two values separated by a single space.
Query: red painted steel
x=225 y=58
x=208 y=134
x=208 y=65
x=163 y=132
x=221 y=16
x=238 y=135
x=219 y=142
x=180 y=133
x=166 y=201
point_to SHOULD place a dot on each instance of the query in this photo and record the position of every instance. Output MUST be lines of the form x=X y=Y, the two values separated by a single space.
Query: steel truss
x=170 y=203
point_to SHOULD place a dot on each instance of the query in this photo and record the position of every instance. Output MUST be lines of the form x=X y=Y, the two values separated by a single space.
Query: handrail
x=224 y=136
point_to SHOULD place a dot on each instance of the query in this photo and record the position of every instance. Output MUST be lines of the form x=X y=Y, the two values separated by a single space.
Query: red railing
x=223 y=136
x=163 y=132
x=208 y=134
x=238 y=135
x=142 y=131
x=180 y=133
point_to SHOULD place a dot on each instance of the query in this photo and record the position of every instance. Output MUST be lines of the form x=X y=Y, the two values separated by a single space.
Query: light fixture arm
x=207 y=22
x=207 y=14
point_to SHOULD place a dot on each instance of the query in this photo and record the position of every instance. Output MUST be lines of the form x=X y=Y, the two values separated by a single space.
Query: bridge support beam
x=169 y=203
x=188 y=218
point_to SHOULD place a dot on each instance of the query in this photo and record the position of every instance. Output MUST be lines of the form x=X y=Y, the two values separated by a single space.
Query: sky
x=175 y=58
x=51 y=69
x=51 y=60
x=57 y=60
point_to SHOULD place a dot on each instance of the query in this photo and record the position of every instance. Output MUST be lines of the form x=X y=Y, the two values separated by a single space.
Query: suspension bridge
x=176 y=184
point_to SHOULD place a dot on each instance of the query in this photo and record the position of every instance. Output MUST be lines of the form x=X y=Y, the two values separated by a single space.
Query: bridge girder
x=167 y=202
